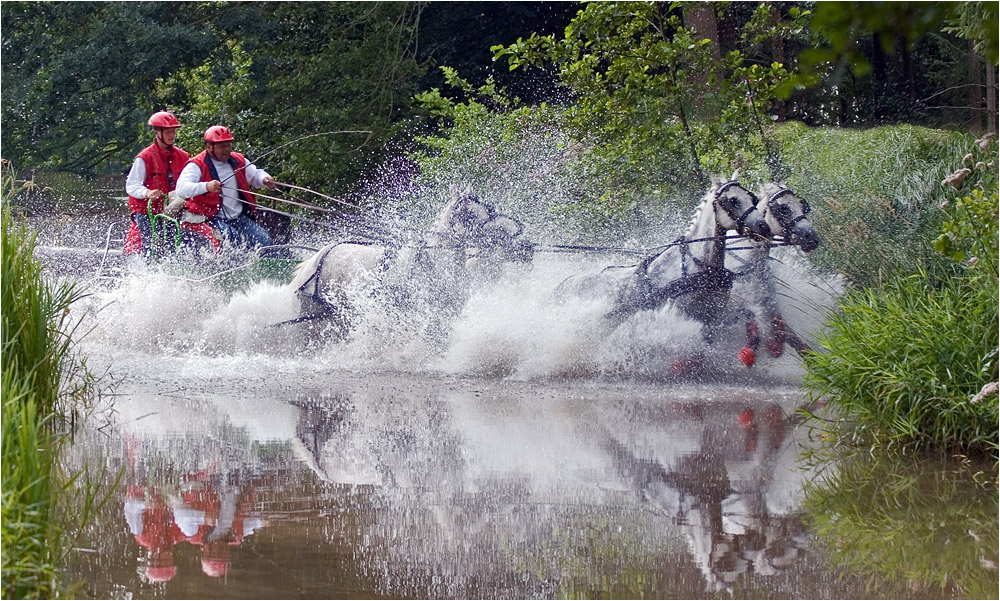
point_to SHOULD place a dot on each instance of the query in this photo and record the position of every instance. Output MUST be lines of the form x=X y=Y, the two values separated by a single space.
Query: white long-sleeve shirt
x=189 y=184
x=134 y=183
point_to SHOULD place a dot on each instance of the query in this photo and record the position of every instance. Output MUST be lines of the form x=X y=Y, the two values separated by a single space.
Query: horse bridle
x=491 y=211
x=774 y=197
x=741 y=221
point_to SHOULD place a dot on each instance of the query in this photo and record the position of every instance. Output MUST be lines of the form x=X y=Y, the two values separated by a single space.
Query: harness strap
x=741 y=222
x=712 y=279
x=782 y=192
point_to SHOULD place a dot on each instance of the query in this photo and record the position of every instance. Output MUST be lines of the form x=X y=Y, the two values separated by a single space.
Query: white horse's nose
x=759 y=227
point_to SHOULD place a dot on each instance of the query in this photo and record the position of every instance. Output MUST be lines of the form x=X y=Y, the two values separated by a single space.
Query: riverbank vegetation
x=43 y=384
x=914 y=360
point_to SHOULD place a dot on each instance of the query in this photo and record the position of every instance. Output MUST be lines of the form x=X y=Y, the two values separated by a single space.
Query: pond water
x=523 y=454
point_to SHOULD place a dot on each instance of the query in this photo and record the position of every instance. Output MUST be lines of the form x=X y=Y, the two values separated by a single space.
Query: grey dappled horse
x=690 y=271
x=787 y=216
x=469 y=242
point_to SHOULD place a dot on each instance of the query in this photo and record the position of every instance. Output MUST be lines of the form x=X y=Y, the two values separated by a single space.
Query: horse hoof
x=747 y=356
x=679 y=367
x=775 y=347
x=687 y=366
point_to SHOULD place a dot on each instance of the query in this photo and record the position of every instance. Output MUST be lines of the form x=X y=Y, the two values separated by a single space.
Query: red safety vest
x=208 y=204
x=163 y=167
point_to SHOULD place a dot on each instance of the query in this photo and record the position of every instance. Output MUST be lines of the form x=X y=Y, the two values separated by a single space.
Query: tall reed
x=36 y=391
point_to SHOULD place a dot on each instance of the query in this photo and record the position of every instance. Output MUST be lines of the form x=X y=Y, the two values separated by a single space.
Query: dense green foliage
x=81 y=78
x=919 y=524
x=905 y=362
x=649 y=91
x=40 y=376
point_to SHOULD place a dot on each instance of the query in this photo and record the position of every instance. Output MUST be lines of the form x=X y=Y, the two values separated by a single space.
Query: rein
x=306 y=137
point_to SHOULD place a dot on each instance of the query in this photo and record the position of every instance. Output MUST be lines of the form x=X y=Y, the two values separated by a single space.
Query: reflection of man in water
x=150 y=520
x=199 y=511
x=152 y=524
x=226 y=524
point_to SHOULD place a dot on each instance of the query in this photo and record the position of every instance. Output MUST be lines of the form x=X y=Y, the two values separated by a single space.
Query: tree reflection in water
x=929 y=524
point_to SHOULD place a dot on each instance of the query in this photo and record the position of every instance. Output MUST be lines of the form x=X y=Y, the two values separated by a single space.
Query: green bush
x=905 y=362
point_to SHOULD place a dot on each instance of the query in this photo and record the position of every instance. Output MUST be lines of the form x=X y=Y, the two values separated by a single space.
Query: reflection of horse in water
x=786 y=215
x=690 y=271
x=470 y=241
x=378 y=442
x=734 y=491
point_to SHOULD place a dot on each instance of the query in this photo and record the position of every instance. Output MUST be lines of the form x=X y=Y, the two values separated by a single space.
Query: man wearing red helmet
x=153 y=176
x=217 y=183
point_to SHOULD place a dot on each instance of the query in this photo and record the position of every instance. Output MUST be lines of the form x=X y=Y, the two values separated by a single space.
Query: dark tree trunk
x=700 y=16
x=778 y=56
x=975 y=90
x=991 y=98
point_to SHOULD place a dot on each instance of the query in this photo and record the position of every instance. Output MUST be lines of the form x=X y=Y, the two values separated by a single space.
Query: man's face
x=220 y=150
x=167 y=135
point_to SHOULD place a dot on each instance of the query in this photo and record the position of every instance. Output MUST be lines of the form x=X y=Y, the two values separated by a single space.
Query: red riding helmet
x=161 y=574
x=163 y=119
x=218 y=133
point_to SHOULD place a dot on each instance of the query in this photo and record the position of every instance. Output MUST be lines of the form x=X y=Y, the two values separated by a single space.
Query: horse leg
x=748 y=354
x=793 y=339
x=315 y=308
x=779 y=332
x=694 y=364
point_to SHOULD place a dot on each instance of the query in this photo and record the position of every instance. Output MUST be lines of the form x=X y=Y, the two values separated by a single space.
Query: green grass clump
x=37 y=368
x=905 y=362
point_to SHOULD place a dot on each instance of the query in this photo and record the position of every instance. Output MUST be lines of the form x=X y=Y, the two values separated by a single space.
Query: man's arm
x=258 y=178
x=189 y=183
x=135 y=182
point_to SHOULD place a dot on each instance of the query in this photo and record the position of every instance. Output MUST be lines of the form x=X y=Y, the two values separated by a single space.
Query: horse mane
x=706 y=201
x=769 y=189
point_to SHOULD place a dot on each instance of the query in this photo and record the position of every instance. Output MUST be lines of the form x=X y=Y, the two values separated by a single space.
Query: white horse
x=690 y=271
x=470 y=241
x=786 y=215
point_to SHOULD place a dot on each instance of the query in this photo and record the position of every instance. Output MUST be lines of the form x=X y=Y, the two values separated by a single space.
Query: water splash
x=513 y=328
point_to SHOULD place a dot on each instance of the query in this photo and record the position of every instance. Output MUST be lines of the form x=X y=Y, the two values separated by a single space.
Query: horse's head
x=736 y=209
x=786 y=214
x=479 y=225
